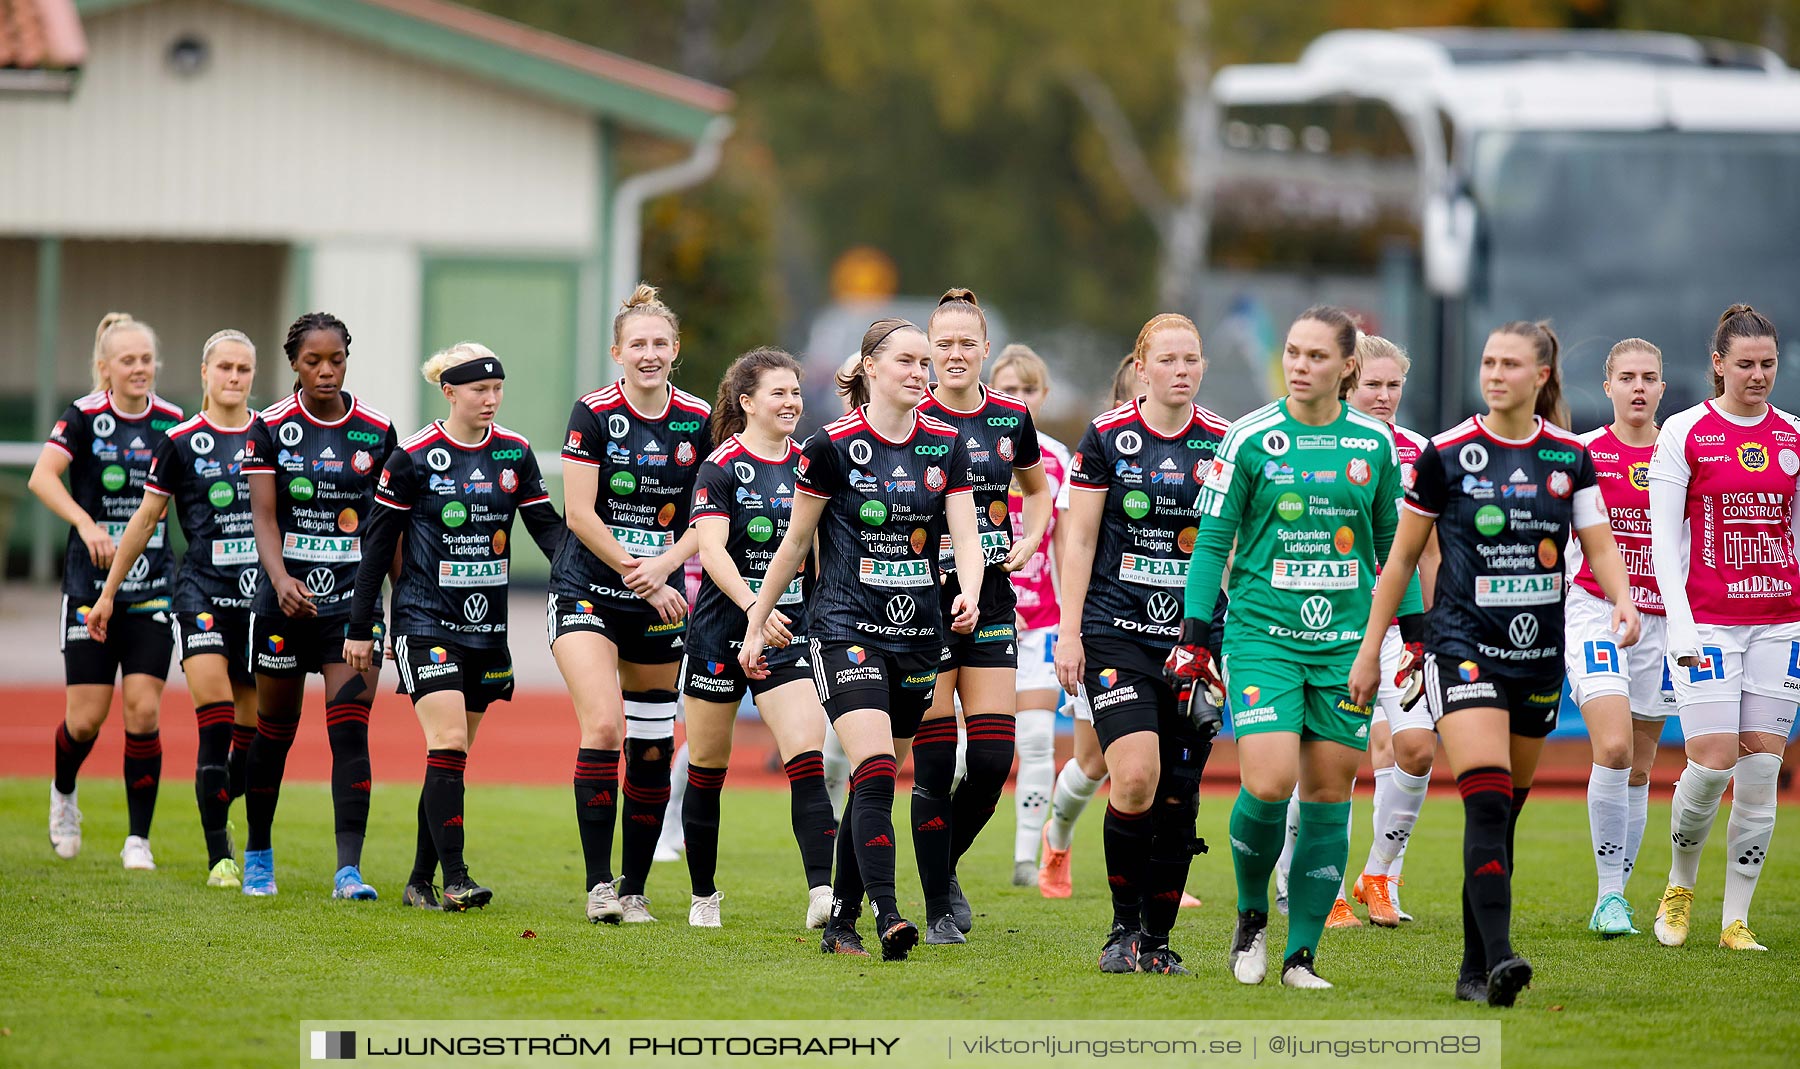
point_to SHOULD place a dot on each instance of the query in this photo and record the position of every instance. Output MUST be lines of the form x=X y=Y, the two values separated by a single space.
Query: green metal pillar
x=49 y=306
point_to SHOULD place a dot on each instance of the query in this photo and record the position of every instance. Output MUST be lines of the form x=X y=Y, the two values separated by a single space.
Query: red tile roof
x=40 y=35
x=557 y=49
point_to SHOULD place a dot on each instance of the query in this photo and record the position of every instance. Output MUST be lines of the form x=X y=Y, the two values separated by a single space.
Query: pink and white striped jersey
x=1408 y=444
x=1624 y=474
x=1035 y=584
x=1739 y=484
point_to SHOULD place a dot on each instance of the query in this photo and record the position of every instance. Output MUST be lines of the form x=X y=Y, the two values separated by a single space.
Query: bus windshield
x=1635 y=233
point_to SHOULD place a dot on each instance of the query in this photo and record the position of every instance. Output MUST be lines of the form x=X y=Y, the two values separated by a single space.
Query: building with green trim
x=427 y=172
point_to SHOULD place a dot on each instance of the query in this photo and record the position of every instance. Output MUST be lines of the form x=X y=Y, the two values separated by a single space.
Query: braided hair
x=308 y=323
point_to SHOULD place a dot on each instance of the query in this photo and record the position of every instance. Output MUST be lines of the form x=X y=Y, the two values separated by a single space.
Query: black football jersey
x=877 y=576
x=647 y=466
x=109 y=459
x=755 y=496
x=1504 y=511
x=461 y=500
x=1149 y=522
x=999 y=435
x=324 y=487
x=200 y=468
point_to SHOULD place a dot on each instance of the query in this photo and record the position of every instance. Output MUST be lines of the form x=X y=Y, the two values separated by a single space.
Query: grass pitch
x=103 y=967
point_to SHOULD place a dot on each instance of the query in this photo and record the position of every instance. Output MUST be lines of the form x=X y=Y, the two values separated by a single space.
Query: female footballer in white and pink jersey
x=1722 y=487
x=1402 y=740
x=1021 y=373
x=1623 y=692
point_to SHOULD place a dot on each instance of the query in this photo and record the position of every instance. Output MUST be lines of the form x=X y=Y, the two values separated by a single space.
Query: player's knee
x=1413 y=751
x=1174 y=818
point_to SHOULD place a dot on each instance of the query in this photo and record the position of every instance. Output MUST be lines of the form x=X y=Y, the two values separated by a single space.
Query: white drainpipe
x=628 y=215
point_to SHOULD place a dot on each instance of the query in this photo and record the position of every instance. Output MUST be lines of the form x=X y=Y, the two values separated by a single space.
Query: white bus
x=1619 y=184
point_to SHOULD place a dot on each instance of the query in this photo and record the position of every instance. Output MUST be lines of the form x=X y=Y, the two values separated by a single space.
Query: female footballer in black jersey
x=1504 y=491
x=446 y=500
x=312 y=460
x=875 y=485
x=1131 y=521
x=105 y=442
x=982 y=667
x=743 y=499
x=616 y=623
x=200 y=466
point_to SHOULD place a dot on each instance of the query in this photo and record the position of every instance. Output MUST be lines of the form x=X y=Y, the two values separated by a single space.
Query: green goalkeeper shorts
x=1306 y=699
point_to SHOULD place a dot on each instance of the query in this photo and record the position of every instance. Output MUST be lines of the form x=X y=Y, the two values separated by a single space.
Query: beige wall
x=185 y=291
x=290 y=134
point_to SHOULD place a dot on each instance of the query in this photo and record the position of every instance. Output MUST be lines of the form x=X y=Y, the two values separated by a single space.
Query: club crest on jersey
x=1358 y=471
x=684 y=454
x=1753 y=456
x=361 y=462
x=934 y=478
x=1560 y=485
x=1639 y=473
x=1005 y=446
x=509 y=480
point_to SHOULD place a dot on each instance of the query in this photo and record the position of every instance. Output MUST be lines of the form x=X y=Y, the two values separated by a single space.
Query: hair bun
x=1735 y=310
x=644 y=294
x=959 y=293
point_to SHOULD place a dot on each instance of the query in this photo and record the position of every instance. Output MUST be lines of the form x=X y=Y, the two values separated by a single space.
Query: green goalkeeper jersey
x=1311 y=512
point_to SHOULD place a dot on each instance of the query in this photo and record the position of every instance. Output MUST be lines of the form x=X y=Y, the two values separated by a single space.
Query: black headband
x=487 y=367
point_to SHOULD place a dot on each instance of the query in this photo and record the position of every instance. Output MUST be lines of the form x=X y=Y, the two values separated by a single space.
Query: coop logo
x=1003 y=421
x=1361 y=443
x=507 y=454
x=685 y=426
x=1557 y=456
x=931 y=450
x=364 y=437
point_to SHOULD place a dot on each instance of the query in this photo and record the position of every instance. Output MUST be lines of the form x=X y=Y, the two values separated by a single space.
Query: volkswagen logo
x=475 y=608
x=1129 y=443
x=247 y=582
x=1162 y=607
x=290 y=433
x=860 y=451
x=321 y=581
x=616 y=425
x=1523 y=630
x=139 y=569
x=1473 y=457
x=1315 y=612
x=901 y=609
x=438 y=458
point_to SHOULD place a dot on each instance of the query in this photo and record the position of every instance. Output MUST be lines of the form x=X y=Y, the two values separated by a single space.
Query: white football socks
x=1691 y=814
x=1609 y=818
x=1634 y=826
x=1748 y=830
x=1073 y=792
x=1035 y=741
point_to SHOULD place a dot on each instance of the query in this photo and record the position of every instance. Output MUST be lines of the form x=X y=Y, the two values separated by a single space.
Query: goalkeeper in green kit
x=1306 y=490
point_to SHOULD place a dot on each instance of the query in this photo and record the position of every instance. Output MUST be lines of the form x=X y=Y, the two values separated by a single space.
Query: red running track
x=532 y=740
